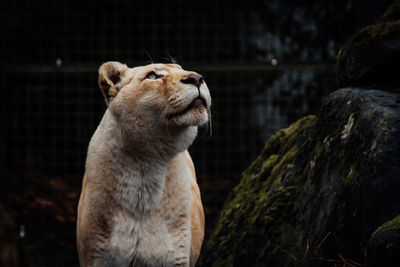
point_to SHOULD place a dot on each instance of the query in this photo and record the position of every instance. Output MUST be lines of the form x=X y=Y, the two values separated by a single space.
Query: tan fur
x=140 y=204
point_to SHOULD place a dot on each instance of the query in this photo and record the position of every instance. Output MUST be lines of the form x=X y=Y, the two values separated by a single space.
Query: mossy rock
x=384 y=246
x=367 y=59
x=326 y=183
x=258 y=199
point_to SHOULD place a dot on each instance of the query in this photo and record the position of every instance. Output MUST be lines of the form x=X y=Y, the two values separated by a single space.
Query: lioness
x=140 y=203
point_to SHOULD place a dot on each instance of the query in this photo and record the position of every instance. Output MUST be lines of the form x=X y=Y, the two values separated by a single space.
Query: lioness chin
x=140 y=203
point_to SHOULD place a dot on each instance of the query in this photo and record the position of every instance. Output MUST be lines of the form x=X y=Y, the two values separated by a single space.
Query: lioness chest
x=163 y=236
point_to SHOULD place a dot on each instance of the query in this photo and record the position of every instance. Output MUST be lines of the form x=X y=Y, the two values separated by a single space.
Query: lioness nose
x=195 y=79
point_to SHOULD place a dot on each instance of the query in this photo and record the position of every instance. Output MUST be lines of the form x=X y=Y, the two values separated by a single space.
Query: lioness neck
x=139 y=162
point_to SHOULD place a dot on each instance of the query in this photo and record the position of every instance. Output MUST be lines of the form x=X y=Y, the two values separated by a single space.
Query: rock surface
x=367 y=59
x=384 y=246
x=318 y=190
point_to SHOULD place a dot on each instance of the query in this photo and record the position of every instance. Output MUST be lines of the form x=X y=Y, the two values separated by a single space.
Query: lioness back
x=140 y=204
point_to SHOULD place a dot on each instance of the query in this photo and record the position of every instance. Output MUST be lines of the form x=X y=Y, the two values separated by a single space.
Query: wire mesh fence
x=267 y=63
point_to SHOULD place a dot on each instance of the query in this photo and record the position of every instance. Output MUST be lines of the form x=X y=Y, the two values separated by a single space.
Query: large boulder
x=369 y=57
x=384 y=246
x=318 y=190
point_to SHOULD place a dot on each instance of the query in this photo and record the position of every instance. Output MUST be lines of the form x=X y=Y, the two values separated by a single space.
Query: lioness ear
x=110 y=74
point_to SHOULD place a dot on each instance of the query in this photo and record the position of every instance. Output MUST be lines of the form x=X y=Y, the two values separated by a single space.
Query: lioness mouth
x=197 y=103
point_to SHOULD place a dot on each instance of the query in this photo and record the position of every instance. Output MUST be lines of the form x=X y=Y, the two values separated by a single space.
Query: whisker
x=207 y=131
x=148 y=55
x=210 y=126
x=173 y=60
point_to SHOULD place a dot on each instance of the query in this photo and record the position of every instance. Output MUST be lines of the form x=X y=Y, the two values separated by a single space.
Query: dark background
x=267 y=63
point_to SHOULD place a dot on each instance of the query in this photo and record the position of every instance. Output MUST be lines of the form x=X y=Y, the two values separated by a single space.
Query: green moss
x=293 y=133
x=285 y=163
x=365 y=59
x=369 y=35
x=392 y=225
x=384 y=245
x=269 y=163
x=392 y=13
x=353 y=173
x=375 y=33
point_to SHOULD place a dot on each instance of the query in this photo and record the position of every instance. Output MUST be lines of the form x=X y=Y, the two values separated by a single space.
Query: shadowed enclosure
x=267 y=63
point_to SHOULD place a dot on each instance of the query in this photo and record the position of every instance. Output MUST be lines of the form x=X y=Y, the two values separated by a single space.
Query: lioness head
x=155 y=95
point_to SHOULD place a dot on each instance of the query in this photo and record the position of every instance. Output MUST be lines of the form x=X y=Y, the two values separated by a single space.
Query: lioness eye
x=152 y=76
